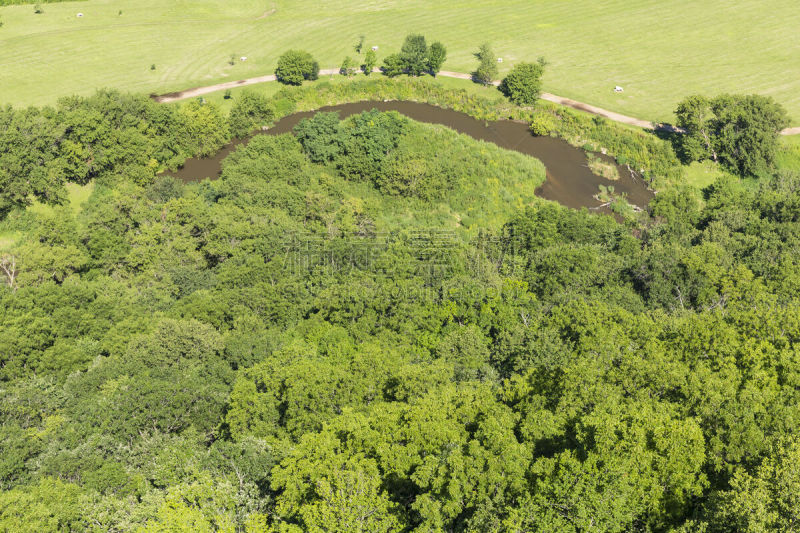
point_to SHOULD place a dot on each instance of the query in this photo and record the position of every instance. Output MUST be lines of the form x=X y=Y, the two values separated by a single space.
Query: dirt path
x=616 y=117
x=200 y=91
x=611 y=115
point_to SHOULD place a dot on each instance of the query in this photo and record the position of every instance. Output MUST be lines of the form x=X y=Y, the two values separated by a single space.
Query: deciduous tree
x=414 y=54
x=296 y=66
x=437 y=54
x=523 y=84
x=487 y=65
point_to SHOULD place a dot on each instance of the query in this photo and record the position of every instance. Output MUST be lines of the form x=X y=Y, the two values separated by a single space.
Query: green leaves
x=376 y=326
x=250 y=110
x=414 y=54
x=437 y=55
x=739 y=131
x=487 y=65
x=766 y=499
x=524 y=83
x=205 y=127
x=296 y=66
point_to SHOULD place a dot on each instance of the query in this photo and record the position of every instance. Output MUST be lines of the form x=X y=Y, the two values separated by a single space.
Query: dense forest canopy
x=374 y=325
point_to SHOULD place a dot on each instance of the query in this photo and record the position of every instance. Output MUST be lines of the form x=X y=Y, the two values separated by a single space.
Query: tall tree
x=29 y=165
x=487 y=65
x=370 y=60
x=437 y=55
x=739 y=131
x=414 y=54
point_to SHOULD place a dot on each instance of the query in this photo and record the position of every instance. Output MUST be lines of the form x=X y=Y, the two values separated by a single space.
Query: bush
x=295 y=66
x=523 y=84
x=543 y=123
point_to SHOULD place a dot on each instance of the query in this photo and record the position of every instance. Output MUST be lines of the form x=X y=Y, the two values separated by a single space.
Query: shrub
x=543 y=123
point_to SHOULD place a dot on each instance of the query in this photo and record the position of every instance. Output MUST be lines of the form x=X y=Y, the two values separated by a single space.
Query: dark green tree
x=414 y=54
x=320 y=136
x=523 y=84
x=437 y=55
x=741 y=132
x=29 y=164
x=393 y=65
x=296 y=66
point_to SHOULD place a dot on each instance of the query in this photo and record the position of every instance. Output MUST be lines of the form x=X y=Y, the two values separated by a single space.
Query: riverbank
x=569 y=182
x=560 y=100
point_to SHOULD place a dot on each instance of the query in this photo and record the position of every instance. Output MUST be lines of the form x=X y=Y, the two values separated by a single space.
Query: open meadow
x=657 y=51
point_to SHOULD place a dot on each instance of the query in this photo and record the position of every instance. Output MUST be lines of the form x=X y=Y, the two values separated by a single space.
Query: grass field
x=789 y=154
x=658 y=51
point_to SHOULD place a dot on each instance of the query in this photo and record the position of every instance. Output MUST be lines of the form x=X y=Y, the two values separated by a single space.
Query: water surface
x=569 y=180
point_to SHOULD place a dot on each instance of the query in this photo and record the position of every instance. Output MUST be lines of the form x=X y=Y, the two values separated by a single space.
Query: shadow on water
x=569 y=180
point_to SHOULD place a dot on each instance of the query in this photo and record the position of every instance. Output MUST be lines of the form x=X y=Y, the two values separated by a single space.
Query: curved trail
x=581 y=106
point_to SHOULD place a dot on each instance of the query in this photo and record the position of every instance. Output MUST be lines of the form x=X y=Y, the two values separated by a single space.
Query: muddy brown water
x=569 y=180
